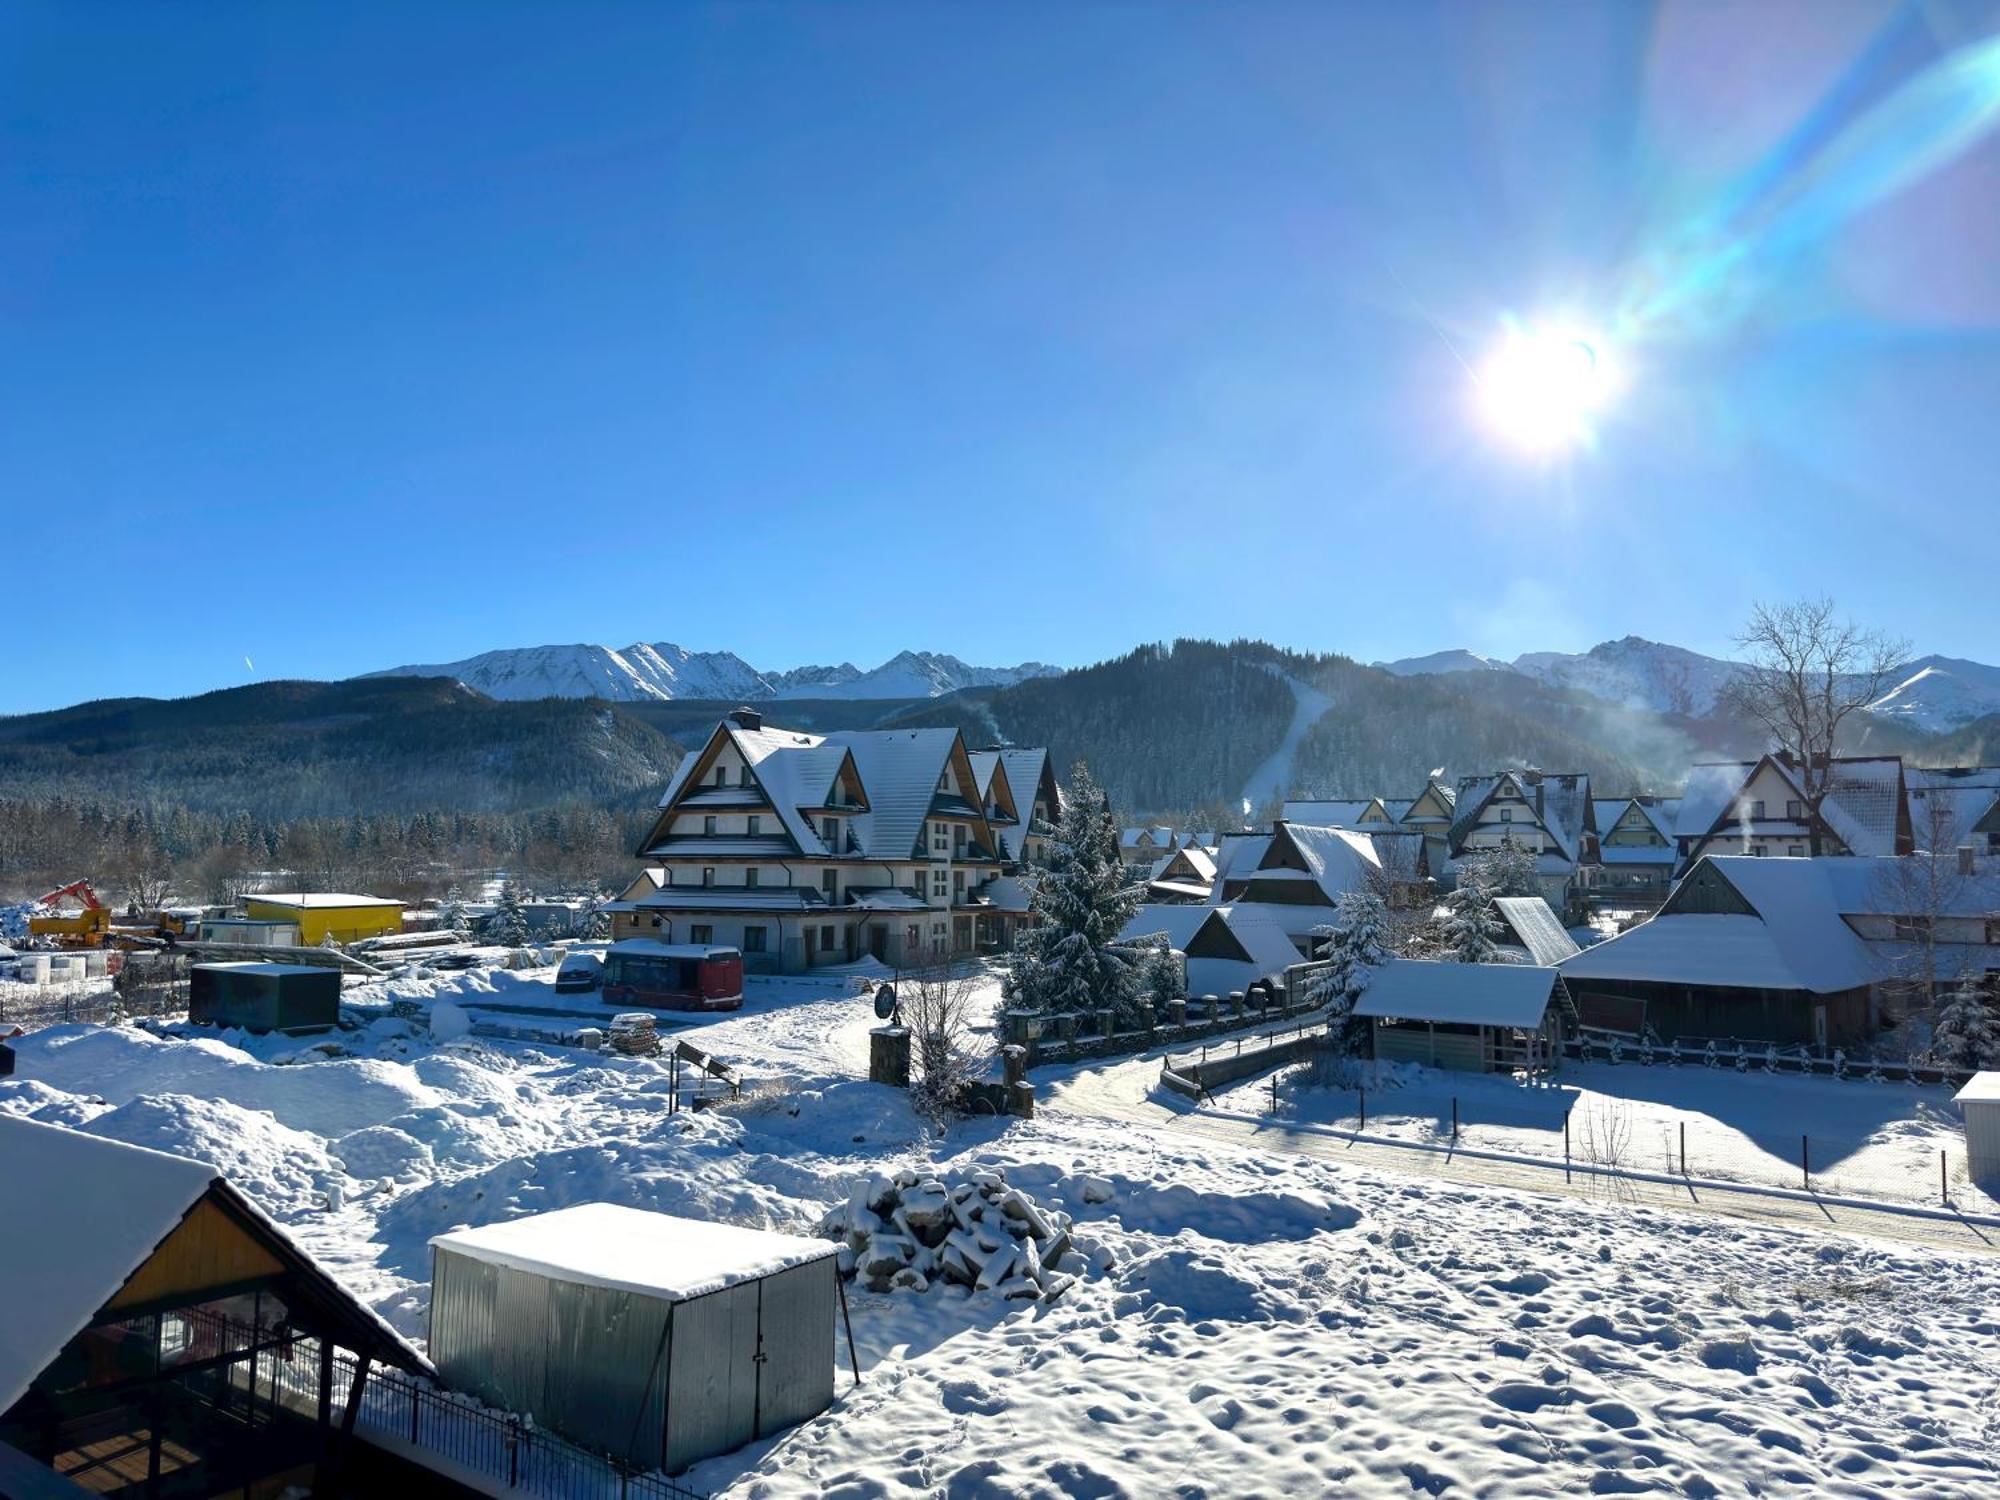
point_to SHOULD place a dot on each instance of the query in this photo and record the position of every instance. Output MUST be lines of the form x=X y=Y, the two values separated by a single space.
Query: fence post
x=1364 y=1107
x=413 y=1415
x=1944 y=1181
x=1454 y=1119
x=1566 y=1176
x=513 y=1451
x=1684 y=1148
x=1805 y=1161
x=1274 y=1096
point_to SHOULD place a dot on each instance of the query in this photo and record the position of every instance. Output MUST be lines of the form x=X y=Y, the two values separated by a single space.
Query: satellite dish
x=885 y=1002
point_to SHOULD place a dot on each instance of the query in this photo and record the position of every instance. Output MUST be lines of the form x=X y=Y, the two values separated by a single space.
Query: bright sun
x=1543 y=389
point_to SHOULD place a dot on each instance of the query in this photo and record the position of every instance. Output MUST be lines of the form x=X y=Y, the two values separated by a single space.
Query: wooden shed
x=1478 y=1018
x=661 y=1340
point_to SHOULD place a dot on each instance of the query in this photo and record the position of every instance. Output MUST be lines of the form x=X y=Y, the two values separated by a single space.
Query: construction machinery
x=87 y=928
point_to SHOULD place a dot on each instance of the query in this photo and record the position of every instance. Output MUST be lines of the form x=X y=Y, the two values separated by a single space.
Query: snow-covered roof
x=1709 y=792
x=1537 y=928
x=633 y=1250
x=252 y=966
x=654 y=948
x=89 y=1212
x=1025 y=768
x=1863 y=806
x=899 y=768
x=1008 y=894
x=1947 y=806
x=1238 y=854
x=1337 y=812
x=1417 y=989
x=1338 y=859
x=1561 y=800
x=1982 y=1088
x=1186 y=889
x=1722 y=950
x=1199 y=860
x=315 y=900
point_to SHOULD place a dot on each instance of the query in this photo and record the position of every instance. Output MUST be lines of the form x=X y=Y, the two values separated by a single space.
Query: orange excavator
x=87 y=928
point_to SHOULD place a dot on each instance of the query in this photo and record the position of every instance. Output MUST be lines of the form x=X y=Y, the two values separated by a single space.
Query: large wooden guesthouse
x=810 y=849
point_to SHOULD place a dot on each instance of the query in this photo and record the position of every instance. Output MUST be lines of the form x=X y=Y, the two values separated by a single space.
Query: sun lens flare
x=1542 y=390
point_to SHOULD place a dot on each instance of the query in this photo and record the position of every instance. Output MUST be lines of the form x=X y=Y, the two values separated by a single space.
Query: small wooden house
x=1477 y=1018
x=161 y=1336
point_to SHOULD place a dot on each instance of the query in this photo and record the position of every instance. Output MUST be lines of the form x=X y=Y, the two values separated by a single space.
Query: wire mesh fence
x=1899 y=1157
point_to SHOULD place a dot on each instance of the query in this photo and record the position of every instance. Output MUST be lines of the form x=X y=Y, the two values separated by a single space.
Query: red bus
x=672 y=976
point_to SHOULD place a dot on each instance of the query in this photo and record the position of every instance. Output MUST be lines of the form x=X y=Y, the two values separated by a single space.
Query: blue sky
x=333 y=338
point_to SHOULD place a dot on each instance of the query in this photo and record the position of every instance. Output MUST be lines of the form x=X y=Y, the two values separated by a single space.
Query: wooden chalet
x=162 y=1337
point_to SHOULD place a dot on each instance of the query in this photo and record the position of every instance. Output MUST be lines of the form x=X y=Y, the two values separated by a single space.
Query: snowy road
x=1125 y=1092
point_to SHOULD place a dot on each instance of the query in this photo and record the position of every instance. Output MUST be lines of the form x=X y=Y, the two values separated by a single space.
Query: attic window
x=743 y=774
x=1795 y=810
x=1506 y=814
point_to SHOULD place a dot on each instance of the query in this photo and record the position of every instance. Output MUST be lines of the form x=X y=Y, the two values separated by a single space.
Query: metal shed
x=1979 y=1101
x=265 y=996
x=660 y=1340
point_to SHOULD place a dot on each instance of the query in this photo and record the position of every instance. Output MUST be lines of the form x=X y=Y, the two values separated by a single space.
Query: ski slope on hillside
x=1272 y=780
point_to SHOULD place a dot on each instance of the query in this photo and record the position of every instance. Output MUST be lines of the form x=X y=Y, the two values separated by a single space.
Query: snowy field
x=1869 y=1139
x=1262 y=1325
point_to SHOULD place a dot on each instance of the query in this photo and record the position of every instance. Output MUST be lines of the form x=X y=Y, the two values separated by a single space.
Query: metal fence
x=1617 y=1135
x=94 y=1000
x=500 y=1446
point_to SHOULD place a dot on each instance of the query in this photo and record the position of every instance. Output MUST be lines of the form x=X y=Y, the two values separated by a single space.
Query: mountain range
x=1936 y=694
x=662 y=672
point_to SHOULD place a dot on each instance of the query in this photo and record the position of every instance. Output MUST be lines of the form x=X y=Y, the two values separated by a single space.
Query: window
x=1757 y=850
x=707 y=876
x=1757 y=808
x=753 y=825
x=829 y=882
x=1795 y=810
x=753 y=938
x=1910 y=929
x=826 y=939
x=1795 y=851
x=701 y=933
x=913 y=937
x=708 y=825
x=958 y=885
x=721 y=775
x=832 y=834
x=937 y=882
x=1506 y=814
x=1993 y=930
x=656 y=921
x=743 y=774
x=752 y=875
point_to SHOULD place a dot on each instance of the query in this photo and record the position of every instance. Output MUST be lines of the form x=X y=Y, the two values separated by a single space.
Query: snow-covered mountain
x=662 y=670
x=1935 y=693
x=1444 y=661
x=1942 y=692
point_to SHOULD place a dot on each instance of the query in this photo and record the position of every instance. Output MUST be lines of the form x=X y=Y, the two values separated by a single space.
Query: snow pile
x=910 y=1230
x=284 y=1171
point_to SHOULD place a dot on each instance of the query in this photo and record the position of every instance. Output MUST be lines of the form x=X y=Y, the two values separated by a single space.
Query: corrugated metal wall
x=655 y=1382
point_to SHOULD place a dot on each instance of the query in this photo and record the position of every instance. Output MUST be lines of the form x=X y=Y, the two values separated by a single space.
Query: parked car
x=579 y=972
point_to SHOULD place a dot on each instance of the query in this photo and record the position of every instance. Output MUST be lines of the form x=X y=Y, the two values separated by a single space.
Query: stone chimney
x=746 y=718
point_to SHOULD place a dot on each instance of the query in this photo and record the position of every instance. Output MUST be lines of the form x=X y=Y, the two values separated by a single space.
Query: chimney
x=1965 y=859
x=746 y=718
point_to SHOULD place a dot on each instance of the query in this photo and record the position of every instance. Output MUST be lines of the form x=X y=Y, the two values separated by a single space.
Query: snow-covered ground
x=1870 y=1139
x=1262 y=1324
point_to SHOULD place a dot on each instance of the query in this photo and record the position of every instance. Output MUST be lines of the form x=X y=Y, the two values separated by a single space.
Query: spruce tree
x=1469 y=928
x=1966 y=1034
x=509 y=924
x=1507 y=869
x=1356 y=943
x=593 y=923
x=452 y=913
x=1071 y=959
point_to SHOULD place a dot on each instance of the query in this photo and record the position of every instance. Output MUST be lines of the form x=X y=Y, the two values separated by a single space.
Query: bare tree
x=936 y=1005
x=1807 y=673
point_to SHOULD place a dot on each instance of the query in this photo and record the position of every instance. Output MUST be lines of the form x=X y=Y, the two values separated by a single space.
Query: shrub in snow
x=910 y=1231
x=1966 y=1034
x=593 y=923
x=1508 y=870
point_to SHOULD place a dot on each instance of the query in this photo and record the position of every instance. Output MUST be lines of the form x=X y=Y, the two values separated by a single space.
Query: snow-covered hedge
x=909 y=1231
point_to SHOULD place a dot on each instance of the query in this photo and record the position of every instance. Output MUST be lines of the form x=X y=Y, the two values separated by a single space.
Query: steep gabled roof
x=1535 y=928
x=900 y=769
x=1338 y=860
x=1864 y=806
x=1337 y=812
x=1565 y=814
x=90 y=1212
